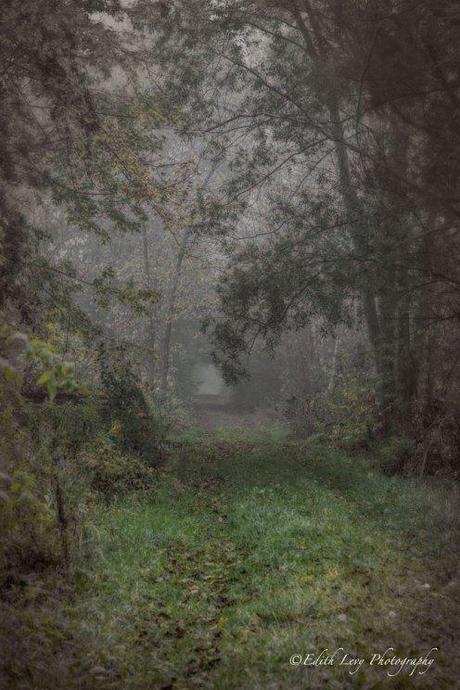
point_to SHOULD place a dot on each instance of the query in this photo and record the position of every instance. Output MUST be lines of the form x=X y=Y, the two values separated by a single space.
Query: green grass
x=248 y=551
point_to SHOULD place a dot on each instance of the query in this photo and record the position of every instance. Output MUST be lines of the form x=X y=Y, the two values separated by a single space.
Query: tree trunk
x=150 y=326
x=387 y=352
x=423 y=328
x=335 y=365
x=379 y=330
x=406 y=365
x=166 y=345
x=358 y=231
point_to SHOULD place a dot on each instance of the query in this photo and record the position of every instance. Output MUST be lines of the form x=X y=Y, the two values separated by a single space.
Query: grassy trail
x=249 y=552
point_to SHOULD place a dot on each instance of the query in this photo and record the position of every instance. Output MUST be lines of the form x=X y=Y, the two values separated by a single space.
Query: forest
x=229 y=344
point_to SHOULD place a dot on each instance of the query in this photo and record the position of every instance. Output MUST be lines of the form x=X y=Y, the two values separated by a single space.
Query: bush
x=54 y=451
x=28 y=530
x=134 y=425
x=113 y=471
x=394 y=454
x=305 y=416
x=353 y=412
x=27 y=524
x=437 y=440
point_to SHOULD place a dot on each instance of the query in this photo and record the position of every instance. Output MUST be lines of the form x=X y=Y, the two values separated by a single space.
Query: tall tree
x=343 y=152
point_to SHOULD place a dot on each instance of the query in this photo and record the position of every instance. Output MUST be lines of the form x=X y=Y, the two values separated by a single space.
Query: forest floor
x=250 y=550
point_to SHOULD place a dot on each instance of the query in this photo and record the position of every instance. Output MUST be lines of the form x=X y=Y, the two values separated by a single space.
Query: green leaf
x=8 y=373
x=45 y=378
x=52 y=388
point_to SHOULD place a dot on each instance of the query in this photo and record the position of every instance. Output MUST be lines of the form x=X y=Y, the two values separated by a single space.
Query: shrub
x=111 y=470
x=305 y=416
x=28 y=530
x=352 y=411
x=135 y=427
x=394 y=453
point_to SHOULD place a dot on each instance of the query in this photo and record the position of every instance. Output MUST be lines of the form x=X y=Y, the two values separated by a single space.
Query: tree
x=339 y=150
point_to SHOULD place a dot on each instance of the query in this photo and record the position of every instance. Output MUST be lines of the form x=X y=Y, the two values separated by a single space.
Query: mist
x=229 y=335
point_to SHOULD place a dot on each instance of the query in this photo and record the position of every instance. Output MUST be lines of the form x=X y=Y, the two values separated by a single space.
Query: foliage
x=346 y=218
x=53 y=452
x=436 y=444
x=112 y=471
x=56 y=375
x=303 y=156
x=395 y=454
x=353 y=411
x=306 y=416
x=132 y=422
x=28 y=527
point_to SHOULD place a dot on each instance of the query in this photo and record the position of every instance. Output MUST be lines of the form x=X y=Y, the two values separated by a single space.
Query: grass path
x=247 y=553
